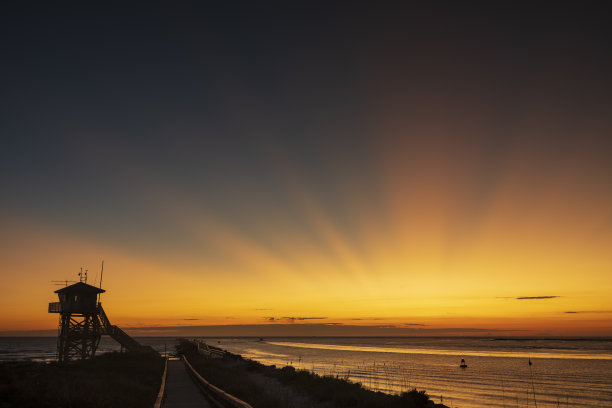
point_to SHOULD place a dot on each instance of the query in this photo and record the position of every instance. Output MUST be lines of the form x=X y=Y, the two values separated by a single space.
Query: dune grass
x=109 y=380
x=271 y=387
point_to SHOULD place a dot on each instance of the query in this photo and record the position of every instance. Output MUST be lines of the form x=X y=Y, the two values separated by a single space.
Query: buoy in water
x=463 y=364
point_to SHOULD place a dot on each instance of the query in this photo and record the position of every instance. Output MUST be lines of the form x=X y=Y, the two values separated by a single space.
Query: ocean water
x=45 y=348
x=564 y=372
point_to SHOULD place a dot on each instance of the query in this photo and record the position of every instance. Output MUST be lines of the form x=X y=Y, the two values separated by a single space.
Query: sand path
x=181 y=392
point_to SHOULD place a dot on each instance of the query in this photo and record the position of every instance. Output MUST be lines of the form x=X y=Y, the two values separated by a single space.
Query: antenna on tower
x=101 y=274
x=81 y=275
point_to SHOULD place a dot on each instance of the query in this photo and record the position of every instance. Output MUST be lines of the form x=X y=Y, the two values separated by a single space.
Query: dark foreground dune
x=271 y=387
x=109 y=380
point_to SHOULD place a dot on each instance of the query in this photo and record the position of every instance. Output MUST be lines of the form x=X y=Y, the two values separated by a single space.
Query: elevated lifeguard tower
x=82 y=322
x=79 y=325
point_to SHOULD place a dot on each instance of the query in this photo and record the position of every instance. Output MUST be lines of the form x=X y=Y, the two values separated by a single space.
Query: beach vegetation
x=129 y=380
x=271 y=387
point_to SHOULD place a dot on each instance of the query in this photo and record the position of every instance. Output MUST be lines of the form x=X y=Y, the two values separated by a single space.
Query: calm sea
x=45 y=348
x=564 y=372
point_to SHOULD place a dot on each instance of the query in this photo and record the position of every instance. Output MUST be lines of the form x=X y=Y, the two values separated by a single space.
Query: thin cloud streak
x=292 y=319
x=536 y=297
x=588 y=311
x=315 y=329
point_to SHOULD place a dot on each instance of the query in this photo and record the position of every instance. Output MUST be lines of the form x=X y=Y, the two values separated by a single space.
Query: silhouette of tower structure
x=79 y=326
x=82 y=322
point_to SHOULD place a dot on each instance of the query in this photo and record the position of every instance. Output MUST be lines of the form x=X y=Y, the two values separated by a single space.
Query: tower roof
x=80 y=287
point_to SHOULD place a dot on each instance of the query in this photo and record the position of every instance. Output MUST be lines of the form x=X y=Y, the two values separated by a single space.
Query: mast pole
x=101 y=274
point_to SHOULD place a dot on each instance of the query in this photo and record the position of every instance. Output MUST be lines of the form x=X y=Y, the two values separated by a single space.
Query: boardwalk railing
x=206 y=350
x=219 y=397
x=162 y=387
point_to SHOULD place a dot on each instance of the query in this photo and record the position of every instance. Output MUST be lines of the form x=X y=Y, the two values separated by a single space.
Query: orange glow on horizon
x=439 y=292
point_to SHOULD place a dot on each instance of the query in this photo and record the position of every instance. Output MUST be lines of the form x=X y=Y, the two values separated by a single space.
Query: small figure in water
x=463 y=365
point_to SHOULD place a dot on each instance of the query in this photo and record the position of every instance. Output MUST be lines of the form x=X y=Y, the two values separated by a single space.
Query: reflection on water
x=565 y=373
x=488 y=353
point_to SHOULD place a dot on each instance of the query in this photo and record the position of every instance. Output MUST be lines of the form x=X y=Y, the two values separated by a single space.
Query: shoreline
x=301 y=387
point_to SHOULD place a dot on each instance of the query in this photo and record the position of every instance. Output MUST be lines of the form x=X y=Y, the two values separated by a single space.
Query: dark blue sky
x=105 y=106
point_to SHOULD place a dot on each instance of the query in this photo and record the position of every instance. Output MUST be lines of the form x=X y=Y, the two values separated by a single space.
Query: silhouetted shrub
x=415 y=398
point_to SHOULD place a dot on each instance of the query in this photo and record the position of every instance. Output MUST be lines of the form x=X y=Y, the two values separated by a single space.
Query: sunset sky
x=313 y=169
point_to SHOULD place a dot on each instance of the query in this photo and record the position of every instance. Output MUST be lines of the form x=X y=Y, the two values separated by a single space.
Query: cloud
x=299 y=318
x=536 y=297
x=414 y=324
x=282 y=329
x=191 y=319
x=587 y=311
x=292 y=319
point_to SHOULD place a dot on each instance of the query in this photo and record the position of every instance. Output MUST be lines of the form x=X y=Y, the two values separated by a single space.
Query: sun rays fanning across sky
x=353 y=170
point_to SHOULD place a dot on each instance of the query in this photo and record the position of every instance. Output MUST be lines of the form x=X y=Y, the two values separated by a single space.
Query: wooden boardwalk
x=181 y=391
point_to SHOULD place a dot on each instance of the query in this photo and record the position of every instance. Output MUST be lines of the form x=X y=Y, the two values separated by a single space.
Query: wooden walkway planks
x=181 y=391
